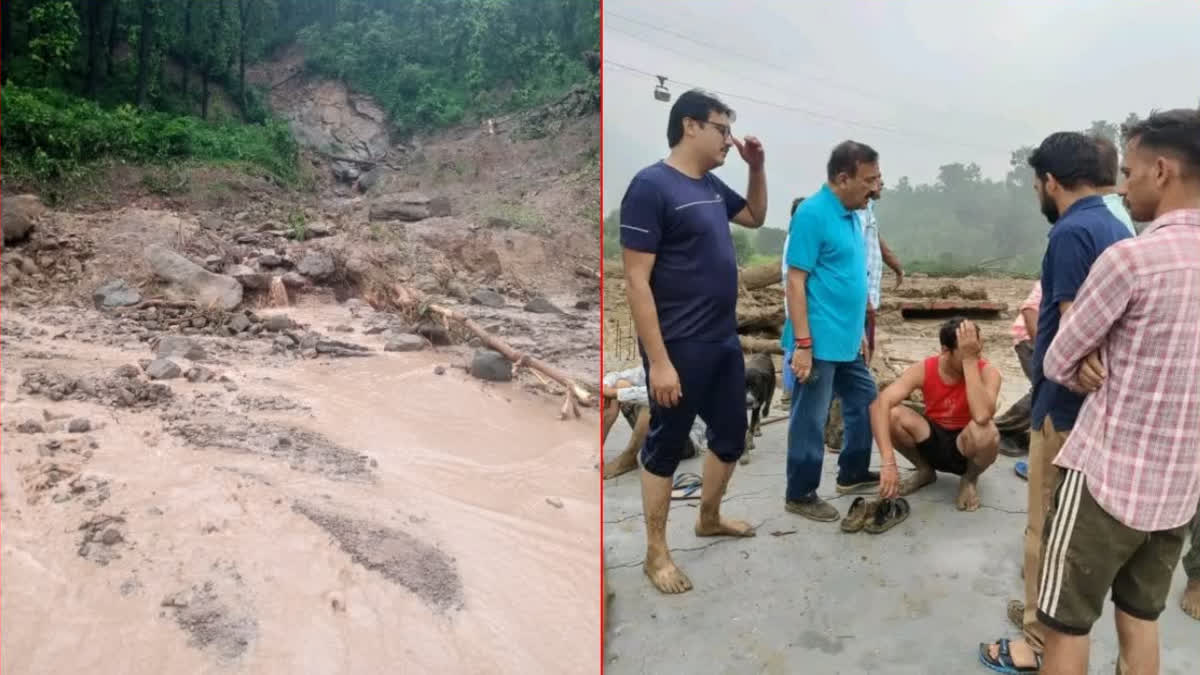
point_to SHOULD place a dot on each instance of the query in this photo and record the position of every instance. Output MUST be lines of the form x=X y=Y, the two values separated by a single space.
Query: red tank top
x=946 y=404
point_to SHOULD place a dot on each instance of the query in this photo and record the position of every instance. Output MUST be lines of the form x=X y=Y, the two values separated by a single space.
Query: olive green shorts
x=1085 y=552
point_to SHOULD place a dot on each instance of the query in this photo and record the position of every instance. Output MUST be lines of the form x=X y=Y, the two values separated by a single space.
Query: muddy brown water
x=468 y=541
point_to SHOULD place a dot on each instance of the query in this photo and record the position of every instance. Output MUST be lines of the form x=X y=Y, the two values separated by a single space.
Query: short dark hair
x=796 y=203
x=696 y=104
x=847 y=156
x=948 y=334
x=1174 y=131
x=1071 y=157
x=1110 y=161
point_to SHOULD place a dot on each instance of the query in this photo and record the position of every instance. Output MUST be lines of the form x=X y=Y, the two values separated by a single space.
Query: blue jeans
x=853 y=384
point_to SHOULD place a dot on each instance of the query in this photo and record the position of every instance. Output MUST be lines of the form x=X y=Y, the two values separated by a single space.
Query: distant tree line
x=962 y=223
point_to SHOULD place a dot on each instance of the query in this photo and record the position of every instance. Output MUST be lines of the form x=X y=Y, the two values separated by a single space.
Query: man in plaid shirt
x=1068 y=178
x=1131 y=469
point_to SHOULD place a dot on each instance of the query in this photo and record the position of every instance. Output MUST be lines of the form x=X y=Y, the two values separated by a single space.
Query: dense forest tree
x=430 y=63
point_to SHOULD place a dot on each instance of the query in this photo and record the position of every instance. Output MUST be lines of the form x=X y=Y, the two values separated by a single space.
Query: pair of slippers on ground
x=875 y=516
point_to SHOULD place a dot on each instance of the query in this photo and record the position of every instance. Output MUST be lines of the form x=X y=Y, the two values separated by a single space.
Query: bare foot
x=968 y=495
x=724 y=528
x=1190 y=603
x=917 y=480
x=625 y=463
x=665 y=576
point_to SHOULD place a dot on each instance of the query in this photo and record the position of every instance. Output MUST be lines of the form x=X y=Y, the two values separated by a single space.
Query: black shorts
x=941 y=449
x=712 y=376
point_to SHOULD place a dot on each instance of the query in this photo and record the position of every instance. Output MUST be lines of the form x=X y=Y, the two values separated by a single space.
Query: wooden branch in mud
x=576 y=394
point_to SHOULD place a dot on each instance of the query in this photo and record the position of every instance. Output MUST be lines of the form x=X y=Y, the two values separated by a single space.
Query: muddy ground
x=318 y=479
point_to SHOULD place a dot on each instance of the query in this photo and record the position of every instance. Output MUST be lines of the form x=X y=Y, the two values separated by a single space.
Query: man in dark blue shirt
x=681 y=279
x=1070 y=172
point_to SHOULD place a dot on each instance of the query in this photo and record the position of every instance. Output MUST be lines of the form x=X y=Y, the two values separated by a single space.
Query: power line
x=790 y=70
x=815 y=113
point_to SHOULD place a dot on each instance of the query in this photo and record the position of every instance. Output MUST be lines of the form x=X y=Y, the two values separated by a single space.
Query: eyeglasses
x=725 y=129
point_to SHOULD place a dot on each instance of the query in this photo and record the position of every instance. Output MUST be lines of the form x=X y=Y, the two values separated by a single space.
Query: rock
x=199 y=374
x=294 y=280
x=249 y=278
x=79 y=425
x=491 y=366
x=439 y=370
x=213 y=263
x=405 y=343
x=31 y=427
x=270 y=260
x=408 y=206
x=18 y=215
x=369 y=179
x=163 y=369
x=278 y=322
x=111 y=537
x=540 y=305
x=240 y=323
x=203 y=287
x=487 y=298
x=439 y=207
x=282 y=343
x=127 y=371
x=345 y=172
x=116 y=293
x=555 y=502
x=317 y=265
x=178 y=346
x=583 y=304
x=433 y=332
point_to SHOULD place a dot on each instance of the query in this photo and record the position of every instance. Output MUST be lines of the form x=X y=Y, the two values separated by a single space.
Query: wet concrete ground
x=916 y=599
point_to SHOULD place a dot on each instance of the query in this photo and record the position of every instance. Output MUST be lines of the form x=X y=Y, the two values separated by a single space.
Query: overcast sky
x=925 y=82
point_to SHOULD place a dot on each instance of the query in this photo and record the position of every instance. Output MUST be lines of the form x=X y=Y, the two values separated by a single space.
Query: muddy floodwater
x=386 y=514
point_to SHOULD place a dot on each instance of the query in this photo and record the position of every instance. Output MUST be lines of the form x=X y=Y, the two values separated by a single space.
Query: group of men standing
x=1114 y=466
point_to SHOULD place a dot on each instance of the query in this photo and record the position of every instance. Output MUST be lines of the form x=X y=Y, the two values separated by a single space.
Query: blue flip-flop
x=1004 y=663
x=1022 y=469
x=686 y=486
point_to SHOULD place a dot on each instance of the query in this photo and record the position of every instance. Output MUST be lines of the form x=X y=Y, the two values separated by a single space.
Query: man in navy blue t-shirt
x=682 y=282
x=1071 y=172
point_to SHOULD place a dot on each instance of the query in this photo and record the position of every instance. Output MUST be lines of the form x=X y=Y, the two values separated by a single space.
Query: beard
x=1049 y=209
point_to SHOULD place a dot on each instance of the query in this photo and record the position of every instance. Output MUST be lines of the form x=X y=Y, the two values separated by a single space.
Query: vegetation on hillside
x=166 y=79
x=961 y=224
x=430 y=62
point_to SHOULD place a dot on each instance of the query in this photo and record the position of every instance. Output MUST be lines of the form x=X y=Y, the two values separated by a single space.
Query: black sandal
x=889 y=513
x=1003 y=663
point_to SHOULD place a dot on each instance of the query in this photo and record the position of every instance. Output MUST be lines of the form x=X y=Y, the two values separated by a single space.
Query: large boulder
x=317 y=265
x=205 y=288
x=408 y=206
x=491 y=366
x=18 y=215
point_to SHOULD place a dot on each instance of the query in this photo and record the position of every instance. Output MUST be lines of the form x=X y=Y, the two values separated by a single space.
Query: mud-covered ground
x=317 y=479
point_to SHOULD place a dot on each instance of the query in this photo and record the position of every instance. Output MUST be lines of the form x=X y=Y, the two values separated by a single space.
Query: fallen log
x=757 y=345
x=755 y=318
x=576 y=393
x=760 y=276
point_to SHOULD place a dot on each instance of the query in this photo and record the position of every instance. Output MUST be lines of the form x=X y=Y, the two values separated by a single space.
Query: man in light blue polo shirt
x=827 y=292
x=1110 y=167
